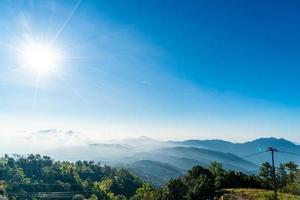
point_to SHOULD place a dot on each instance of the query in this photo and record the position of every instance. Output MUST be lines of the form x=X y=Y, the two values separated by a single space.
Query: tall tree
x=265 y=173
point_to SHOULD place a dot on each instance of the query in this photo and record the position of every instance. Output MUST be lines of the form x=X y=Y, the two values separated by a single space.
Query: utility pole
x=273 y=171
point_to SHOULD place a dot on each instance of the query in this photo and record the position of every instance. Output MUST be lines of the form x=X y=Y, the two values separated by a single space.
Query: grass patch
x=258 y=194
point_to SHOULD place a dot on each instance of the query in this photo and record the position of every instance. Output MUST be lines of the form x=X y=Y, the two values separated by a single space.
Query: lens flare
x=39 y=58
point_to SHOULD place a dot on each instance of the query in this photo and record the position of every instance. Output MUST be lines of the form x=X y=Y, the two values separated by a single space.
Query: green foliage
x=145 y=192
x=32 y=176
x=287 y=177
x=266 y=175
x=219 y=173
x=293 y=187
x=201 y=183
x=124 y=183
x=3 y=188
x=28 y=177
x=202 y=188
x=204 y=184
x=292 y=170
x=174 y=190
x=282 y=176
x=93 y=197
x=256 y=194
x=268 y=196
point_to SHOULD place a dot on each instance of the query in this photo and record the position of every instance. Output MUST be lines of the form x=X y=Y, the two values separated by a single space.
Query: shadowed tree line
x=204 y=184
x=40 y=177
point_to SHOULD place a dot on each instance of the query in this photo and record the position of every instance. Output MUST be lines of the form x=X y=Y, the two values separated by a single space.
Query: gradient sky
x=163 y=69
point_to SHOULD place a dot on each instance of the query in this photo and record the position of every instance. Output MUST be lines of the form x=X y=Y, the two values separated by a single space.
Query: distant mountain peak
x=260 y=141
x=138 y=140
x=271 y=141
x=144 y=138
x=108 y=145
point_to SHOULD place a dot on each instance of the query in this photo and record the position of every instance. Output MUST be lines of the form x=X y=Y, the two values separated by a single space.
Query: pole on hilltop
x=273 y=170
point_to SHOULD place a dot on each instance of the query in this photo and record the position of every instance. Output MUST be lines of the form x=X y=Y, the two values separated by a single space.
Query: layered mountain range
x=157 y=161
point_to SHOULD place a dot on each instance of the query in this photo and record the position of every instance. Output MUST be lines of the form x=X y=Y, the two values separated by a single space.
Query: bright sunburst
x=39 y=58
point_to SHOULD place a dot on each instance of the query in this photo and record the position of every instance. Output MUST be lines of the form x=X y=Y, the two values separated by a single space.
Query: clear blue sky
x=164 y=69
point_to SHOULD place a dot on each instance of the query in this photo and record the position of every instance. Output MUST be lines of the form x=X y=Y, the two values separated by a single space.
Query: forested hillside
x=40 y=177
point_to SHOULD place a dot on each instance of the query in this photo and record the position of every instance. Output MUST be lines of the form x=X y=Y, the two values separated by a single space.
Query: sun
x=39 y=58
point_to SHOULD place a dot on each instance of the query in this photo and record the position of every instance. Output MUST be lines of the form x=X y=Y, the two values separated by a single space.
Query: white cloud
x=42 y=140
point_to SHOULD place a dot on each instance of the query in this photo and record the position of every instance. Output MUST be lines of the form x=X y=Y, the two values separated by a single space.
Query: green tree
x=145 y=192
x=219 y=174
x=292 y=169
x=294 y=187
x=174 y=190
x=125 y=183
x=281 y=175
x=265 y=173
x=202 y=189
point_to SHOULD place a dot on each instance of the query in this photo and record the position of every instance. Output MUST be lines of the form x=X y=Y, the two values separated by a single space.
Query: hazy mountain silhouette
x=255 y=146
x=153 y=171
x=157 y=161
